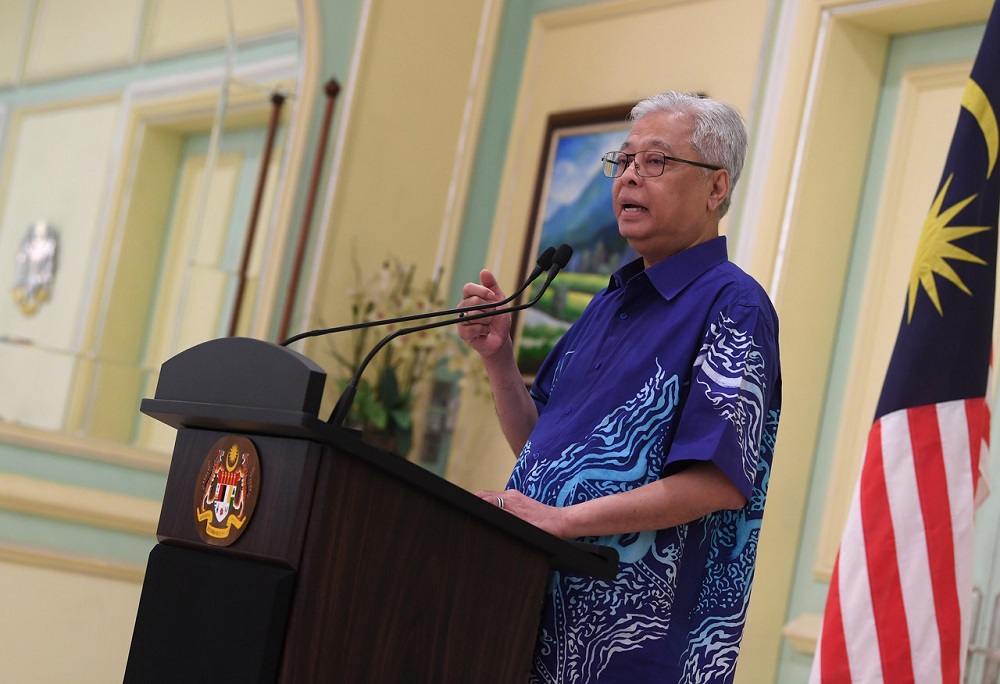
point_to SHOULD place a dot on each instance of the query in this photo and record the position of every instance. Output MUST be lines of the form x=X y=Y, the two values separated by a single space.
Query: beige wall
x=64 y=626
x=181 y=26
x=416 y=98
x=61 y=45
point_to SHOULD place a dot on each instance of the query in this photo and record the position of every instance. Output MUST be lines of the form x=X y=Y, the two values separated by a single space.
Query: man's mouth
x=632 y=208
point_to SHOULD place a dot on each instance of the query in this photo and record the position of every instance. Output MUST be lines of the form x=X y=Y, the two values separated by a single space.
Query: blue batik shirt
x=669 y=365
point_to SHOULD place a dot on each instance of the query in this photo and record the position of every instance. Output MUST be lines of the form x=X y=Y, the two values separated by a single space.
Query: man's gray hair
x=719 y=136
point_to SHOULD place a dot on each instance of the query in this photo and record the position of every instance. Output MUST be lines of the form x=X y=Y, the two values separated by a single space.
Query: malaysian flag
x=899 y=601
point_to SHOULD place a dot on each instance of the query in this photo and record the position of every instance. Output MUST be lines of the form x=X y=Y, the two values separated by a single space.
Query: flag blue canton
x=943 y=348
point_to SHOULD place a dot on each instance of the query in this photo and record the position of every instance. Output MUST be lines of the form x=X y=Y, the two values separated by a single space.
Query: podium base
x=209 y=617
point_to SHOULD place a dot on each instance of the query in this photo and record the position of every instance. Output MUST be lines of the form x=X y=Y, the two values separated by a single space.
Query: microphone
x=543 y=264
x=343 y=407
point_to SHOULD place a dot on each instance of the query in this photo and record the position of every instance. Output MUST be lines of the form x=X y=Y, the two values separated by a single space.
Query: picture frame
x=571 y=204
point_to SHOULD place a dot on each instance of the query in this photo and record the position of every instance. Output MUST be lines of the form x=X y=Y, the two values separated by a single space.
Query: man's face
x=663 y=215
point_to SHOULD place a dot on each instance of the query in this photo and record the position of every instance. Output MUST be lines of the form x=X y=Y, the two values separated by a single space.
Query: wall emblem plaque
x=35 y=266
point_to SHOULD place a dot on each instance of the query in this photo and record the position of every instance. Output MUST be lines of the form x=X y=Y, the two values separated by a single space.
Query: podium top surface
x=249 y=386
x=241 y=371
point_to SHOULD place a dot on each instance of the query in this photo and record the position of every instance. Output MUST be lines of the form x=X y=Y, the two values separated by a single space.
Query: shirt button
x=597 y=365
x=568 y=411
x=623 y=315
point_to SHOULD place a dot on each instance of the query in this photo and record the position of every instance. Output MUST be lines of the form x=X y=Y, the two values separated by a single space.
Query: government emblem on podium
x=226 y=491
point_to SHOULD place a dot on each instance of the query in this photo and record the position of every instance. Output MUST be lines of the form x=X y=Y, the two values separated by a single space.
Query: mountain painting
x=575 y=209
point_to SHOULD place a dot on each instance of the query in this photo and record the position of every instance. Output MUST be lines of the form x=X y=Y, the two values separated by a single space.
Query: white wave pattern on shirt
x=711 y=656
x=623 y=451
x=595 y=619
x=734 y=367
x=715 y=644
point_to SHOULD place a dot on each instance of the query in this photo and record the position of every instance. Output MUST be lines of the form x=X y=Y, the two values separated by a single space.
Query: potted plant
x=389 y=389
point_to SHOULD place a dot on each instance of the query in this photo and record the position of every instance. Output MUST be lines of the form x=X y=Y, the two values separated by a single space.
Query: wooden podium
x=354 y=564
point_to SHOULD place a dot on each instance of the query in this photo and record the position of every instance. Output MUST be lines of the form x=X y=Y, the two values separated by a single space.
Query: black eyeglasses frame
x=630 y=159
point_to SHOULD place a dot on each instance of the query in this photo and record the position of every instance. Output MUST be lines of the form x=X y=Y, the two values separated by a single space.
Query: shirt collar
x=674 y=273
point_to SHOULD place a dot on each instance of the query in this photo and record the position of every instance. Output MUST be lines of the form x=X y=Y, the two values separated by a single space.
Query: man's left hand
x=548 y=518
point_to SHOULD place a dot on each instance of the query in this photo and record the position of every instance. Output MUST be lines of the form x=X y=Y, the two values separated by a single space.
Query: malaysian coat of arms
x=227 y=490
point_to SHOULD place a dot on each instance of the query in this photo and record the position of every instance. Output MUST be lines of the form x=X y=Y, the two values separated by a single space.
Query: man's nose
x=631 y=172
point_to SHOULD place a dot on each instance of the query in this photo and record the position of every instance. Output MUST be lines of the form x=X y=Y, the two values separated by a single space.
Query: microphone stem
x=403 y=319
x=343 y=406
x=344 y=403
x=417 y=316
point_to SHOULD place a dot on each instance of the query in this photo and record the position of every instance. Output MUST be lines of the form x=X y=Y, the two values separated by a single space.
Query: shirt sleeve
x=735 y=374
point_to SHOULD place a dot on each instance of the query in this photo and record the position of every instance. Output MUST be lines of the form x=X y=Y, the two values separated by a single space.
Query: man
x=650 y=427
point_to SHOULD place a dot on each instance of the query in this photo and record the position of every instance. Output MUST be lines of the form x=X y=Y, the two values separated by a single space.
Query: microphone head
x=545 y=258
x=543 y=264
x=562 y=255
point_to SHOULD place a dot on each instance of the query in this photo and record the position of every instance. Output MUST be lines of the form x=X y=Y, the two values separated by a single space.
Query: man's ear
x=719 y=189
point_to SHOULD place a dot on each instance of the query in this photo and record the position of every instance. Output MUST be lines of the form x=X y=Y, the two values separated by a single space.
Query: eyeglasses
x=648 y=163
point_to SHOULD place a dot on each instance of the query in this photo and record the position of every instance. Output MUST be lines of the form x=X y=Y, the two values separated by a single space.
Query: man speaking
x=651 y=425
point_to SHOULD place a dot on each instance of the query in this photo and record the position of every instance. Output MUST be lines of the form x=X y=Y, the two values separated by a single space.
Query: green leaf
x=388 y=387
x=368 y=408
x=402 y=417
x=377 y=415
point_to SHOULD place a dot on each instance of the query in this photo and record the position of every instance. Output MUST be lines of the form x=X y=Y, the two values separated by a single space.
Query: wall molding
x=803 y=632
x=63 y=562
x=80 y=505
x=114 y=453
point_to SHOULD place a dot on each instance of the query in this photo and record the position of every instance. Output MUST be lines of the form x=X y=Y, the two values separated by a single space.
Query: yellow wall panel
x=58 y=166
x=177 y=26
x=256 y=18
x=57 y=170
x=70 y=627
x=14 y=16
x=148 y=200
x=44 y=377
x=76 y=36
x=190 y=299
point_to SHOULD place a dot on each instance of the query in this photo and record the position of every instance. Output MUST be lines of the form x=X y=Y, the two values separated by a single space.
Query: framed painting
x=571 y=204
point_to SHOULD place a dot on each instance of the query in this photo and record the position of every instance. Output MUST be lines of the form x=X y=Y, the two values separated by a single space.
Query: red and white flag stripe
x=900 y=595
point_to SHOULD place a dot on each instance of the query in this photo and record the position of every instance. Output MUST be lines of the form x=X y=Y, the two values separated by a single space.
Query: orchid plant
x=387 y=391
